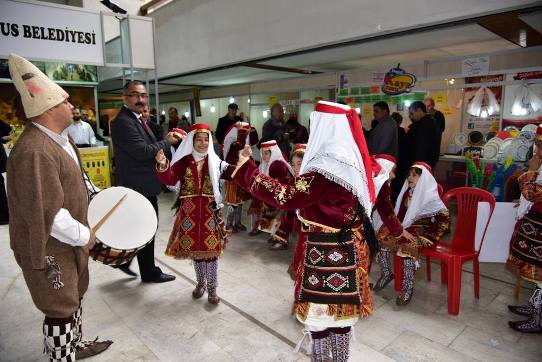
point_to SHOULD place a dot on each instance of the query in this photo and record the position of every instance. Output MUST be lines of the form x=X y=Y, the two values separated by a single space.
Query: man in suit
x=423 y=136
x=135 y=146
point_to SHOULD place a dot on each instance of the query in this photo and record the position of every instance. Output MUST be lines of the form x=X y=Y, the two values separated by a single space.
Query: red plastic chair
x=461 y=249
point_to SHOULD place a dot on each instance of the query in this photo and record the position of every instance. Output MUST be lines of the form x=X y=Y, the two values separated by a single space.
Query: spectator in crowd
x=402 y=157
x=153 y=115
x=80 y=131
x=423 y=136
x=296 y=131
x=437 y=116
x=226 y=122
x=274 y=129
x=383 y=135
x=176 y=122
x=104 y=124
x=5 y=129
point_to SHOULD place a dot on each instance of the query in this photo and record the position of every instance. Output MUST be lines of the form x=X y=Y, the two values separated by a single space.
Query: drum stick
x=108 y=214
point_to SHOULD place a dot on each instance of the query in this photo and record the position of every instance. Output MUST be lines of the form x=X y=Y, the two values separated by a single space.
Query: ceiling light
x=187 y=114
x=451 y=81
x=163 y=113
x=408 y=103
x=248 y=100
x=232 y=100
x=212 y=109
x=264 y=114
x=358 y=110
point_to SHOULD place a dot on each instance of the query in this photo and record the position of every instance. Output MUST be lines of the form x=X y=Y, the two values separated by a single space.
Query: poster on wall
x=11 y=110
x=489 y=123
x=72 y=72
x=95 y=161
x=523 y=102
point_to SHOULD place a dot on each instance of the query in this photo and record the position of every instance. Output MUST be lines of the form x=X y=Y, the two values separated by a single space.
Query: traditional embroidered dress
x=333 y=189
x=423 y=214
x=198 y=232
x=269 y=217
x=297 y=226
x=526 y=249
x=235 y=140
x=384 y=214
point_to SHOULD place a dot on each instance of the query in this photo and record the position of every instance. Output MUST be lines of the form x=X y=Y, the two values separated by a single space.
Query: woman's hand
x=408 y=235
x=535 y=162
x=161 y=159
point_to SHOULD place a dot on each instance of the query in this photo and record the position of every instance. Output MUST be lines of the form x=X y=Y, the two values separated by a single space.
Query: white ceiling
x=432 y=45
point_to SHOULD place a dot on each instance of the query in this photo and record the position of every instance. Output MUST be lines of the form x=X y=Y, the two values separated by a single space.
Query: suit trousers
x=145 y=258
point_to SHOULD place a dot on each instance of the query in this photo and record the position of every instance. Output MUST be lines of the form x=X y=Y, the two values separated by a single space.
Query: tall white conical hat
x=38 y=93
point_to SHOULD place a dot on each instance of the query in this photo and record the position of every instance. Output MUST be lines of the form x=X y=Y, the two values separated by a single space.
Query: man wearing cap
x=48 y=199
x=135 y=147
x=226 y=122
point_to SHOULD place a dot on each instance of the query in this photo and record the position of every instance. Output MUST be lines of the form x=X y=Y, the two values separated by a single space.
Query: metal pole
x=156 y=93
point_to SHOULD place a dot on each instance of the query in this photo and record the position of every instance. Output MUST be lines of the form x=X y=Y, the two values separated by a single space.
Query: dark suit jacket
x=135 y=150
x=424 y=141
x=5 y=129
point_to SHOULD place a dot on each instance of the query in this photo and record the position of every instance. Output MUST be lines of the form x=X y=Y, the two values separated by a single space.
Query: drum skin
x=127 y=230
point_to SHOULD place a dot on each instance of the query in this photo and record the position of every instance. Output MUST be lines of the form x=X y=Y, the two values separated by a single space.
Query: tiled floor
x=161 y=322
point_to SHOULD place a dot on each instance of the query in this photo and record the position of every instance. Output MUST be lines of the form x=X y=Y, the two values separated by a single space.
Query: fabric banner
x=50 y=33
x=95 y=161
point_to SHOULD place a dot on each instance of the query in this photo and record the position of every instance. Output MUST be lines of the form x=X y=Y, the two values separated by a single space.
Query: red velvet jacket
x=322 y=203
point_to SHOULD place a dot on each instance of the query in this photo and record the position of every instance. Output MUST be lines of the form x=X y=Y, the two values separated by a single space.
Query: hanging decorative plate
x=490 y=150
x=460 y=139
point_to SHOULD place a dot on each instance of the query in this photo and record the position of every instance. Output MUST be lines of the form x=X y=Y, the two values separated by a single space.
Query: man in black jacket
x=135 y=147
x=423 y=136
x=5 y=129
x=226 y=122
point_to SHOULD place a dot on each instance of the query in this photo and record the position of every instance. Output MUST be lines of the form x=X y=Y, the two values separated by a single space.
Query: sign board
x=44 y=32
x=397 y=81
x=95 y=161
x=475 y=66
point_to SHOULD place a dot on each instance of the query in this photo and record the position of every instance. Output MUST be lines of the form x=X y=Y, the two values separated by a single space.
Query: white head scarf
x=276 y=155
x=337 y=150
x=425 y=201
x=231 y=136
x=216 y=165
x=386 y=163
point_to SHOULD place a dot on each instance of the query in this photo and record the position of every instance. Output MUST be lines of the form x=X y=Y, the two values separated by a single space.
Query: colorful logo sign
x=397 y=81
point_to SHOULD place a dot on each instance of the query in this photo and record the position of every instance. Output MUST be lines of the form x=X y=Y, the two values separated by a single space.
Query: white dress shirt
x=65 y=228
x=82 y=133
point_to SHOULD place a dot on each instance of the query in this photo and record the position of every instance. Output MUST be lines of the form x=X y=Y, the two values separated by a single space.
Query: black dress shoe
x=162 y=278
x=126 y=269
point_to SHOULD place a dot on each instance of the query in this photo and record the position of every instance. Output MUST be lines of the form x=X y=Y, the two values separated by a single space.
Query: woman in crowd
x=332 y=192
x=273 y=164
x=198 y=232
x=235 y=140
x=423 y=214
x=525 y=257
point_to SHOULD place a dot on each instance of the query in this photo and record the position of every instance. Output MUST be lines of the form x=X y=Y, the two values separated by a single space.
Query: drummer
x=198 y=232
x=48 y=200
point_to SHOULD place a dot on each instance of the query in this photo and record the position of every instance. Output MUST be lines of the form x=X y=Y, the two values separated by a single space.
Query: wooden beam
x=280 y=69
x=510 y=27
